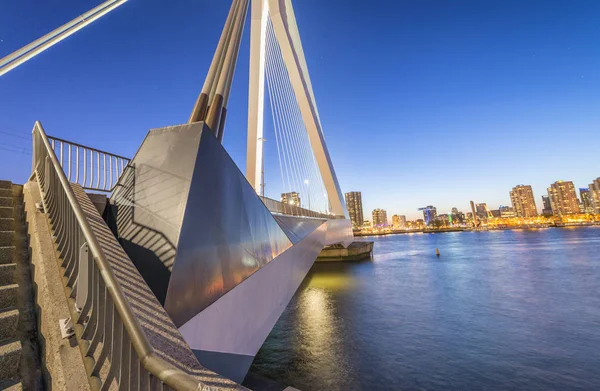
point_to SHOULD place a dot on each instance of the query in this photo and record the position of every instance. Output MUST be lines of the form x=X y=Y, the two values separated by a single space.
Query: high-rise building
x=399 y=221
x=292 y=198
x=563 y=198
x=595 y=195
x=483 y=212
x=547 y=211
x=455 y=210
x=429 y=213
x=586 y=200
x=355 y=209
x=379 y=218
x=523 y=202
x=506 y=211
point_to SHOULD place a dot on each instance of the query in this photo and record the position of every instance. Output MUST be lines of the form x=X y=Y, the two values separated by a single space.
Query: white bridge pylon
x=281 y=15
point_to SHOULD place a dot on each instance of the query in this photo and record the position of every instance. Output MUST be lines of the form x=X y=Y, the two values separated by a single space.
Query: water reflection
x=498 y=310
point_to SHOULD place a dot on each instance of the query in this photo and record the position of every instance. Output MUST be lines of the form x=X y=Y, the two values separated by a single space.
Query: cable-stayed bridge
x=214 y=246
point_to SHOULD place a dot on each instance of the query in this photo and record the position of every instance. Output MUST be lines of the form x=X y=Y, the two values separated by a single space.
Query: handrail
x=96 y=167
x=60 y=195
x=279 y=207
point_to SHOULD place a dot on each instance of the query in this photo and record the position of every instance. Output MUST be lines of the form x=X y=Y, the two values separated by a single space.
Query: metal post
x=215 y=111
x=82 y=276
x=201 y=106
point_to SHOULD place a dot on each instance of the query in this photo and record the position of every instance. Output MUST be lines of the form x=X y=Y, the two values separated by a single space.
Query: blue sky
x=422 y=102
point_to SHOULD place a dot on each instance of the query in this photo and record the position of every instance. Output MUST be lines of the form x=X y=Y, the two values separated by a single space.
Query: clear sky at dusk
x=422 y=102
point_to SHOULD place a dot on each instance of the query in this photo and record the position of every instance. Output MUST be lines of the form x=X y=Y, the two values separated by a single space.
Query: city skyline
x=538 y=199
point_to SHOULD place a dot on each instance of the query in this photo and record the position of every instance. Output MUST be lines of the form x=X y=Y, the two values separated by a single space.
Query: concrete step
x=6 y=201
x=8 y=324
x=6 y=193
x=8 y=296
x=7 y=255
x=6 y=238
x=7 y=224
x=7 y=273
x=6 y=212
x=5 y=185
x=10 y=356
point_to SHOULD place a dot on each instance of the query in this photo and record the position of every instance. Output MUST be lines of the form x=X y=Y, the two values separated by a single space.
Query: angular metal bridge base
x=221 y=263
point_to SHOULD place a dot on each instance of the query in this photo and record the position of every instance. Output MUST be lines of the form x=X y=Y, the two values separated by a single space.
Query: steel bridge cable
x=299 y=159
x=300 y=169
x=300 y=136
x=271 y=102
x=38 y=46
x=278 y=125
x=291 y=150
x=310 y=170
x=277 y=120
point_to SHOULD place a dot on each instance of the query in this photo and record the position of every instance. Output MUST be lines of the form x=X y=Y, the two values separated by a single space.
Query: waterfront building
x=292 y=198
x=586 y=205
x=563 y=198
x=523 y=202
x=482 y=211
x=506 y=211
x=429 y=213
x=496 y=213
x=547 y=211
x=379 y=218
x=398 y=221
x=355 y=208
x=595 y=195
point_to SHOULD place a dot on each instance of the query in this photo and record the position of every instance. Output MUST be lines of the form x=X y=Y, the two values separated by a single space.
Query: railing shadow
x=158 y=327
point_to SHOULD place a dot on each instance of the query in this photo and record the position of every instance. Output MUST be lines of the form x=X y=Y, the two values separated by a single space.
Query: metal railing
x=90 y=168
x=292 y=210
x=115 y=349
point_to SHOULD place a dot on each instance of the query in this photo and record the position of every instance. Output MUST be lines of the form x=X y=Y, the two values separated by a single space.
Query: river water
x=497 y=310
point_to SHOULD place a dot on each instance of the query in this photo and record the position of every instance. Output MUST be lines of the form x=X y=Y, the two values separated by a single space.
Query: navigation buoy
x=437 y=251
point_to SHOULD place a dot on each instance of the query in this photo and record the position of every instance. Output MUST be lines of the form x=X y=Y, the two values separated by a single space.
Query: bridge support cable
x=299 y=170
x=275 y=115
x=279 y=78
x=310 y=167
x=36 y=47
x=280 y=123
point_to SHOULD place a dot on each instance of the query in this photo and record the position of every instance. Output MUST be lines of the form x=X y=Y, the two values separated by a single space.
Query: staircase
x=19 y=358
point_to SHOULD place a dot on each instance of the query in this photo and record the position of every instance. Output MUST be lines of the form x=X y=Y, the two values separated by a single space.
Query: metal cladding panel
x=339 y=231
x=163 y=168
x=297 y=228
x=237 y=324
x=227 y=234
x=150 y=200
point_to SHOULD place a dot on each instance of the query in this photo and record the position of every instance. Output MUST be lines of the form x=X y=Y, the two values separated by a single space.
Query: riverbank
x=461 y=229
